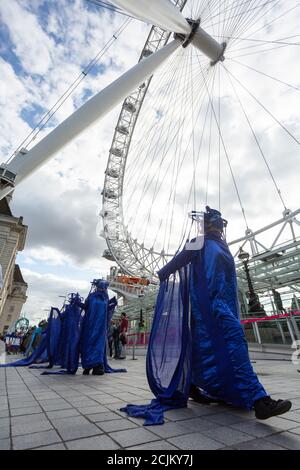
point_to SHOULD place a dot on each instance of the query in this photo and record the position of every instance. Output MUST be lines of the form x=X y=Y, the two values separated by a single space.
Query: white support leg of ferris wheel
x=25 y=163
x=162 y=13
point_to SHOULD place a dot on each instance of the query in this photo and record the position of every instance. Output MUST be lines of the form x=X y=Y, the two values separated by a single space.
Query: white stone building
x=13 y=292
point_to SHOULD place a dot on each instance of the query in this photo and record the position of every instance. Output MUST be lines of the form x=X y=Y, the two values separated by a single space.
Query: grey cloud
x=66 y=221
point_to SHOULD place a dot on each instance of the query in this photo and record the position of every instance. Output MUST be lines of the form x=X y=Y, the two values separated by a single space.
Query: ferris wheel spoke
x=258 y=144
x=227 y=157
x=268 y=24
x=258 y=44
x=164 y=156
x=265 y=74
x=162 y=132
x=185 y=155
x=237 y=14
x=162 y=13
x=260 y=51
x=148 y=160
x=263 y=107
x=169 y=74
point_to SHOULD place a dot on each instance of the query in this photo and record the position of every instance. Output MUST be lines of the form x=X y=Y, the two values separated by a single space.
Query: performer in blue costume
x=197 y=346
x=66 y=342
x=98 y=312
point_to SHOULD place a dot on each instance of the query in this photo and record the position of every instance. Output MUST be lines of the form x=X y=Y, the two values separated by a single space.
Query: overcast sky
x=44 y=46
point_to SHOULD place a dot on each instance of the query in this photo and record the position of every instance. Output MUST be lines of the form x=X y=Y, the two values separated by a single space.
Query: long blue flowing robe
x=98 y=313
x=94 y=330
x=66 y=343
x=212 y=351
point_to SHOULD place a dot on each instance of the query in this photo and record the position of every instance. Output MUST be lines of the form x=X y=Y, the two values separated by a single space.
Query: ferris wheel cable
x=244 y=21
x=228 y=161
x=203 y=129
x=174 y=189
x=262 y=44
x=171 y=71
x=138 y=149
x=262 y=51
x=51 y=112
x=171 y=120
x=257 y=142
x=208 y=158
x=242 y=24
x=180 y=164
x=179 y=142
x=263 y=107
x=209 y=25
x=219 y=140
x=267 y=25
x=264 y=41
x=265 y=74
x=223 y=15
x=185 y=118
x=176 y=163
x=184 y=155
x=240 y=15
x=146 y=169
x=210 y=12
x=157 y=192
x=227 y=8
x=193 y=145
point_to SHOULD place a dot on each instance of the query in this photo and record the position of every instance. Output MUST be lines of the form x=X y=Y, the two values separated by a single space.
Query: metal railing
x=274 y=330
x=282 y=329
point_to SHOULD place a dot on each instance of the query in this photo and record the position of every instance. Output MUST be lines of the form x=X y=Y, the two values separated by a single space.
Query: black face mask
x=213 y=221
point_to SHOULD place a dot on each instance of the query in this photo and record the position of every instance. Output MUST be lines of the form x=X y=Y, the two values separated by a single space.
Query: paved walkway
x=82 y=412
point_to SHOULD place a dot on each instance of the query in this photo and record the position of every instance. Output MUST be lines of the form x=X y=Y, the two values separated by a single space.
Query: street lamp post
x=254 y=305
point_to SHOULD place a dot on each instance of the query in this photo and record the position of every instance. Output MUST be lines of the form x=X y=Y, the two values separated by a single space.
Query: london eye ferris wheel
x=209 y=117
x=216 y=128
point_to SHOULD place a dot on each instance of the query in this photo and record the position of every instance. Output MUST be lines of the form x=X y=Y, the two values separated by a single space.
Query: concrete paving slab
x=30 y=441
x=64 y=412
x=133 y=437
x=195 y=441
x=93 y=443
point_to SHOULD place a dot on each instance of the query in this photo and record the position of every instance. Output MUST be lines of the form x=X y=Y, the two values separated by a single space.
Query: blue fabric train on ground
x=80 y=328
x=45 y=348
x=197 y=347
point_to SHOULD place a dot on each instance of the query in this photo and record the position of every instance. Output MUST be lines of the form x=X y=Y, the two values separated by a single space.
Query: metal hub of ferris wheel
x=273 y=264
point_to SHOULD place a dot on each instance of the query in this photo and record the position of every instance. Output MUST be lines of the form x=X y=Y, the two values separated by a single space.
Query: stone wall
x=12 y=240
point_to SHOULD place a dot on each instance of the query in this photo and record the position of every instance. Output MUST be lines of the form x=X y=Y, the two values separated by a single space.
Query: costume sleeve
x=179 y=261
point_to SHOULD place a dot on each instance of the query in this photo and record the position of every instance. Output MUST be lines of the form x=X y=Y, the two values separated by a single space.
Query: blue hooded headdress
x=196 y=336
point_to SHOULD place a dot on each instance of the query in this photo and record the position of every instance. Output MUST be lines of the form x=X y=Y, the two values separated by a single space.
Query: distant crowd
x=26 y=343
x=20 y=342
